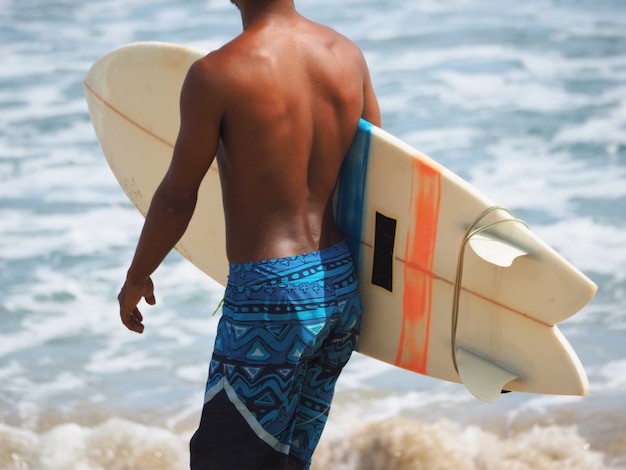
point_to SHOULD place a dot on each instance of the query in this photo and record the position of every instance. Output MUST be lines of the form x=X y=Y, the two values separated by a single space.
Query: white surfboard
x=453 y=286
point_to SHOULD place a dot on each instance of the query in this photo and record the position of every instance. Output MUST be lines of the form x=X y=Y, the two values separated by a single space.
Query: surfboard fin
x=496 y=250
x=484 y=379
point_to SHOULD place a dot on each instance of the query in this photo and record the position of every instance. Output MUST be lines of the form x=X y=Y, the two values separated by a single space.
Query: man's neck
x=254 y=11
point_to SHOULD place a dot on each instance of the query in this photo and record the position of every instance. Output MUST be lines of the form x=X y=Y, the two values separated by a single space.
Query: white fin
x=484 y=379
x=496 y=250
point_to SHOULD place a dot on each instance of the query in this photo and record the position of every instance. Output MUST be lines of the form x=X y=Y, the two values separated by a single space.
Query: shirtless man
x=279 y=106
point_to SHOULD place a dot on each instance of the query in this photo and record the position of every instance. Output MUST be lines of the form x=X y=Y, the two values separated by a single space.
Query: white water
x=527 y=103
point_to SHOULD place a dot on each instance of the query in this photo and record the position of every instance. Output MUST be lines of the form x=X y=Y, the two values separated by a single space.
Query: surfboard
x=453 y=286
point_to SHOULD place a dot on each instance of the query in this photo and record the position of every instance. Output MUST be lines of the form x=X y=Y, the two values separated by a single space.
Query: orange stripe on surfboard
x=420 y=251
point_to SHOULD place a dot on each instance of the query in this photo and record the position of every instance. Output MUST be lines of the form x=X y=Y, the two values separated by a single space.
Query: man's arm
x=371 y=110
x=175 y=199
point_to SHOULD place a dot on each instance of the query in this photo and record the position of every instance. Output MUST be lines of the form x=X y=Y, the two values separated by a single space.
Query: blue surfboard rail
x=351 y=189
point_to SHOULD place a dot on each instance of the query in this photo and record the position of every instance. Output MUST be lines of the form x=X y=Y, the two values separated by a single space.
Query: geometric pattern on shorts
x=288 y=327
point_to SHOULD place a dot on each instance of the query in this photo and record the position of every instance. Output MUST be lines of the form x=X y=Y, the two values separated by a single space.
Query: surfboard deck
x=453 y=286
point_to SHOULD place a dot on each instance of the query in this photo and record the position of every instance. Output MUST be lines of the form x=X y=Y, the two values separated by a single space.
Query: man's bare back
x=290 y=95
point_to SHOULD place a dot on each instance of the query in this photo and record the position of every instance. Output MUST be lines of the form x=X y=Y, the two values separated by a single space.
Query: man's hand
x=129 y=297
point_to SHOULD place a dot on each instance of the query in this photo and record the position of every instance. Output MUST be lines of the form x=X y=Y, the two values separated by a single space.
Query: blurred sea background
x=525 y=100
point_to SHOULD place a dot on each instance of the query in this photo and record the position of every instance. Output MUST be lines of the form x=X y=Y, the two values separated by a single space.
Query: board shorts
x=288 y=327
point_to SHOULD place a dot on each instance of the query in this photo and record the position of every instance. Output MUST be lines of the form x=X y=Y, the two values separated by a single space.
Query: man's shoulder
x=326 y=32
x=232 y=65
x=226 y=62
x=340 y=45
x=214 y=59
x=212 y=68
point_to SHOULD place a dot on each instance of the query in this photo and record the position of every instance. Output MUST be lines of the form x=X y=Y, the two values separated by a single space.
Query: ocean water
x=526 y=100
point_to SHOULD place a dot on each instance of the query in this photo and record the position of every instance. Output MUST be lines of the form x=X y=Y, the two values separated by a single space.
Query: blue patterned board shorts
x=288 y=328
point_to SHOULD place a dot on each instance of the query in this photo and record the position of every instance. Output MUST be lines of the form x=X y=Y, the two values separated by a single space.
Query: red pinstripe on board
x=126 y=117
x=132 y=122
